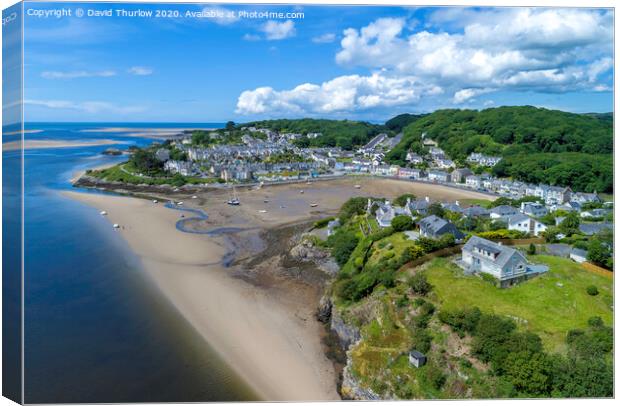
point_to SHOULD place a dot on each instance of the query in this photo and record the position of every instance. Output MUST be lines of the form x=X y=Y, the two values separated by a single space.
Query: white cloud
x=325 y=38
x=91 y=107
x=344 y=93
x=464 y=95
x=77 y=74
x=276 y=31
x=493 y=49
x=456 y=57
x=141 y=70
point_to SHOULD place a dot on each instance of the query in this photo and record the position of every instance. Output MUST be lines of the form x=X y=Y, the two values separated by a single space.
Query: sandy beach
x=260 y=318
x=46 y=144
x=278 y=353
x=161 y=133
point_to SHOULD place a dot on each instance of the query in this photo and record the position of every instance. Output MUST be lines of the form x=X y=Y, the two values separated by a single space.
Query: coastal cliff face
x=351 y=389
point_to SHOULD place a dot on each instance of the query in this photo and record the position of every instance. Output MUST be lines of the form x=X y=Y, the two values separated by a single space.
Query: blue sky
x=367 y=63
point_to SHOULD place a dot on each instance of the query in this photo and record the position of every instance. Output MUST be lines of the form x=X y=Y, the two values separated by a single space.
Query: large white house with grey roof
x=506 y=264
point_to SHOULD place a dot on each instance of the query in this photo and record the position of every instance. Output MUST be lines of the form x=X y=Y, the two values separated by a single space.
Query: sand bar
x=47 y=144
x=275 y=352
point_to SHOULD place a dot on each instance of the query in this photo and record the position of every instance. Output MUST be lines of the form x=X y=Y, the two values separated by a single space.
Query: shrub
x=435 y=377
x=419 y=284
x=343 y=243
x=489 y=278
x=592 y=290
x=531 y=250
x=421 y=340
x=323 y=222
x=402 y=223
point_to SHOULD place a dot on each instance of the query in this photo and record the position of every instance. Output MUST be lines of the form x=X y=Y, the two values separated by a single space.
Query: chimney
x=427 y=199
x=408 y=201
x=457 y=203
x=499 y=243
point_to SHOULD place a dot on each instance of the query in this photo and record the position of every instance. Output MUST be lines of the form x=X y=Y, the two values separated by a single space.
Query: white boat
x=301 y=191
x=358 y=186
x=116 y=225
x=103 y=213
x=234 y=200
x=313 y=204
x=194 y=197
x=180 y=203
x=262 y=211
x=155 y=201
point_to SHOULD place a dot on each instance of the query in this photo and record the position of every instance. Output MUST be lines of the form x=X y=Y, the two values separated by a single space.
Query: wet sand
x=277 y=352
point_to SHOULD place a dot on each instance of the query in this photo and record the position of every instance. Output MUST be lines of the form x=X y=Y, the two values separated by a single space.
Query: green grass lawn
x=540 y=304
x=396 y=243
x=476 y=202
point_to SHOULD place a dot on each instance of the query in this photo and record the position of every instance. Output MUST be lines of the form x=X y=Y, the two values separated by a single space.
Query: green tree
x=402 y=199
x=402 y=223
x=570 y=224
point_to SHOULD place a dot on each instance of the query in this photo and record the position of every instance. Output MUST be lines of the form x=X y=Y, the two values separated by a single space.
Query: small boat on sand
x=301 y=191
x=103 y=213
x=262 y=211
x=155 y=201
x=313 y=204
x=358 y=186
x=116 y=225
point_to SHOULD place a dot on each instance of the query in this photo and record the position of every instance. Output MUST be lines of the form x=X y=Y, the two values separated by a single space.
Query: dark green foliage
x=402 y=199
x=538 y=145
x=419 y=284
x=462 y=321
x=531 y=250
x=519 y=358
x=570 y=224
x=352 y=207
x=144 y=161
x=421 y=339
x=335 y=133
x=202 y=138
x=343 y=243
x=402 y=223
x=436 y=209
x=399 y=122
x=592 y=290
x=600 y=249
x=435 y=376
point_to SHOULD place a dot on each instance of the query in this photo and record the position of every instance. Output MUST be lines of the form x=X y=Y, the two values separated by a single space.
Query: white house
x=438 y=176
x=506 y=264
x=526 y=224
x=473 y=181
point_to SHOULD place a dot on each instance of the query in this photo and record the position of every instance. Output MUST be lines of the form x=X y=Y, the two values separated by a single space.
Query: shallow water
x=96 y=328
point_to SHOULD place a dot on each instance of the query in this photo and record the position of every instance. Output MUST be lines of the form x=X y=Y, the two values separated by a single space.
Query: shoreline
x=278 y=354
x=259 y=313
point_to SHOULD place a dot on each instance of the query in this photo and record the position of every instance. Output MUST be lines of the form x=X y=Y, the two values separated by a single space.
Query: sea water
x=96 y=328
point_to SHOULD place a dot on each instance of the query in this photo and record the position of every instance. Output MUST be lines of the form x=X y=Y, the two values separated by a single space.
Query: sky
x=208 y=63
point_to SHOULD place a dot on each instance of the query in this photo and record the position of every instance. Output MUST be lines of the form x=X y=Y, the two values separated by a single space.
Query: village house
x=435 y=227
x=438 y=176
x=460 y=175
x=418 y=207
x=414 y=158
x=526 y=224
x=475 y=211
x=473 y=181
x=594 y=228
x=455 y=207
x=582 y=198
x=533 y=209
x=557 y=195
x=506 y=264
x=386 y=212
x=503 y=212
